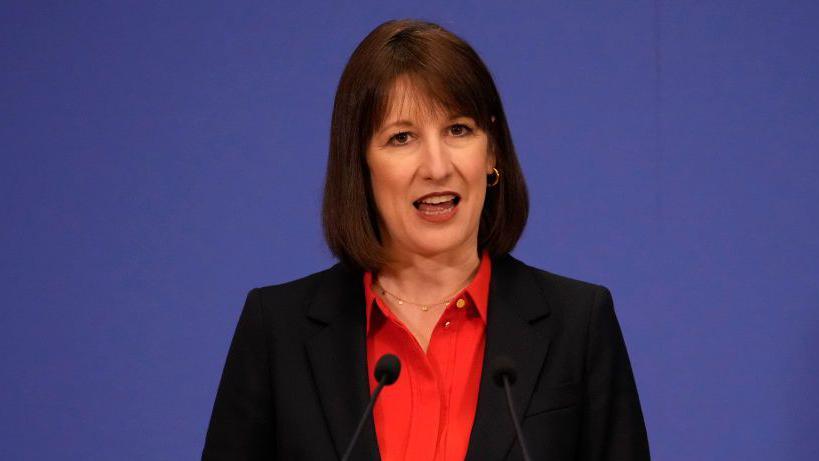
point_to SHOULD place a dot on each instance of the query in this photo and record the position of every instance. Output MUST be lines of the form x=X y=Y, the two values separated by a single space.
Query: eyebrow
x=395 y=124
x=407 y=123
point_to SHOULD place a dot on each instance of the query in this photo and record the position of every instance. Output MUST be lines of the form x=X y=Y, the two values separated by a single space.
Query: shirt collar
x=477 y=290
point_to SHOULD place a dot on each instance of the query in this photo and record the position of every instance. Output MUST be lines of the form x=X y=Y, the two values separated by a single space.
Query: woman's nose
x=436 y=162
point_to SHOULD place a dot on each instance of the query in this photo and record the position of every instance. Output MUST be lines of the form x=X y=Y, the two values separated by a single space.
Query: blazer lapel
x=338 y=358
x=516 y=329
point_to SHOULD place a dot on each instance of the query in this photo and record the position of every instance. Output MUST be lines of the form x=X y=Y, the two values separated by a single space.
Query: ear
x=491 y=158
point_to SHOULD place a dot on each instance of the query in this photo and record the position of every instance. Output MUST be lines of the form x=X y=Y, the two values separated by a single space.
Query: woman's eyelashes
x=399 y=139
x=458 y=130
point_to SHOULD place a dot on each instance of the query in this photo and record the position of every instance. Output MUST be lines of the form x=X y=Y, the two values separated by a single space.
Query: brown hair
x=453 y=77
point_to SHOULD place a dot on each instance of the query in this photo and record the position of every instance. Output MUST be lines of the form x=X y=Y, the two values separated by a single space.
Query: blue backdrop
x=159 y=159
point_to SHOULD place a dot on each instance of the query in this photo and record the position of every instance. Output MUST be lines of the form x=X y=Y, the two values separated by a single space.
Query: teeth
x=438 y=199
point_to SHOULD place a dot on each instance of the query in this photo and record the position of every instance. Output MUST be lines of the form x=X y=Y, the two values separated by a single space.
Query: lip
x=437 y=194
x=438 y=216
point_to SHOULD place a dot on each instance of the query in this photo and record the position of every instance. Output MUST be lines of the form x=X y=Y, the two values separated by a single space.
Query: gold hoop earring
x=495 y=180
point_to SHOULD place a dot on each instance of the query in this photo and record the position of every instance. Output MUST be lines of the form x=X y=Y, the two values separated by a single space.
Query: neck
x=429 y=278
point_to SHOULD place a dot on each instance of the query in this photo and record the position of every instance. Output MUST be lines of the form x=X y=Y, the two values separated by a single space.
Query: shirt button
x=460 y=303
x=446 y=325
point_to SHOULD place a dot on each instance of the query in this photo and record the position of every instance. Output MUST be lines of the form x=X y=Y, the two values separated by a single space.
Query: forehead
x=408 y=100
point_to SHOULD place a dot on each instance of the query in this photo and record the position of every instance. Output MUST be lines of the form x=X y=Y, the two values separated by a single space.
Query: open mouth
x=438 y=203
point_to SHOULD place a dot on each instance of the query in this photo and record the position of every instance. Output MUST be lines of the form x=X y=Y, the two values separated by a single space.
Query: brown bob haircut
x=454 y=78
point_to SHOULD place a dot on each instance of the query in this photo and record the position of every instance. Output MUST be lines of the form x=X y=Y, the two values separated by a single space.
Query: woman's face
x=428 y=173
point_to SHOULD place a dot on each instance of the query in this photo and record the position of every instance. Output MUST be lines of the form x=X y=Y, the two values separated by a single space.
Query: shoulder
x=294 y=298
x=582 y=313
x=568 y=299
x=296 y=289
x=555 y=286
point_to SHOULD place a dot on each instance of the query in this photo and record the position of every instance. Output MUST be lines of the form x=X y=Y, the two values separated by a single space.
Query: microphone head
x=503 y=366
x=387 y=368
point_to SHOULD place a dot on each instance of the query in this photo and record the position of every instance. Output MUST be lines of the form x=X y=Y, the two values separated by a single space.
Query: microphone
x=504 y=375
x=386 y=372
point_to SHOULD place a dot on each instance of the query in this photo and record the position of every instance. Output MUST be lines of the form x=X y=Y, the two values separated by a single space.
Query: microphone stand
x=386 y=372
x=367 y=412
x=518 y=431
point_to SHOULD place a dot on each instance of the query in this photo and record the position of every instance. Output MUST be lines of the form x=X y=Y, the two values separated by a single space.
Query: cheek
x=480 y=198
x=476 y=177
x=388 y=190
x=476 y=169
x=390 y=177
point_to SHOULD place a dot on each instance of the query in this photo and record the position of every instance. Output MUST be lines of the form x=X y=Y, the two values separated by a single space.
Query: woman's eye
x=459 y=130
x=399 y=138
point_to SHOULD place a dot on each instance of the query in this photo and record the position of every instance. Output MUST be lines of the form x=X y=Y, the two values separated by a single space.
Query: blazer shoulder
x=300 y=284
x=568 y=284
x=563 y=292
x=554 y=281
x=297 y=290
x=296 y=296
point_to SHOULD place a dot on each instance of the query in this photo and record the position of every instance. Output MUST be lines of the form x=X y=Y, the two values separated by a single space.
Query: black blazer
x=295 y=381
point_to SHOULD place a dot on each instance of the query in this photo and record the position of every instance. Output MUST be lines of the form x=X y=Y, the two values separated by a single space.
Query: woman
x=424 y=199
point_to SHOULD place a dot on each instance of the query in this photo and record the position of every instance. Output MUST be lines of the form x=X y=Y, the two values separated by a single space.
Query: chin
x=436 y=245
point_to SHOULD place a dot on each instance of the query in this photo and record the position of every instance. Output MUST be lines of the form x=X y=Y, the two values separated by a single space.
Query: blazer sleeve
x=612 y=421
x=241 y=425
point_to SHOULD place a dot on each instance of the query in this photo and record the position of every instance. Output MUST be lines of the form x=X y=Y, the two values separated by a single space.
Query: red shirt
x=428 y=413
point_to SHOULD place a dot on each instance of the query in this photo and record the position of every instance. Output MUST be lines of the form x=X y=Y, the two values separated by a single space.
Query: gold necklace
x=424 y=306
